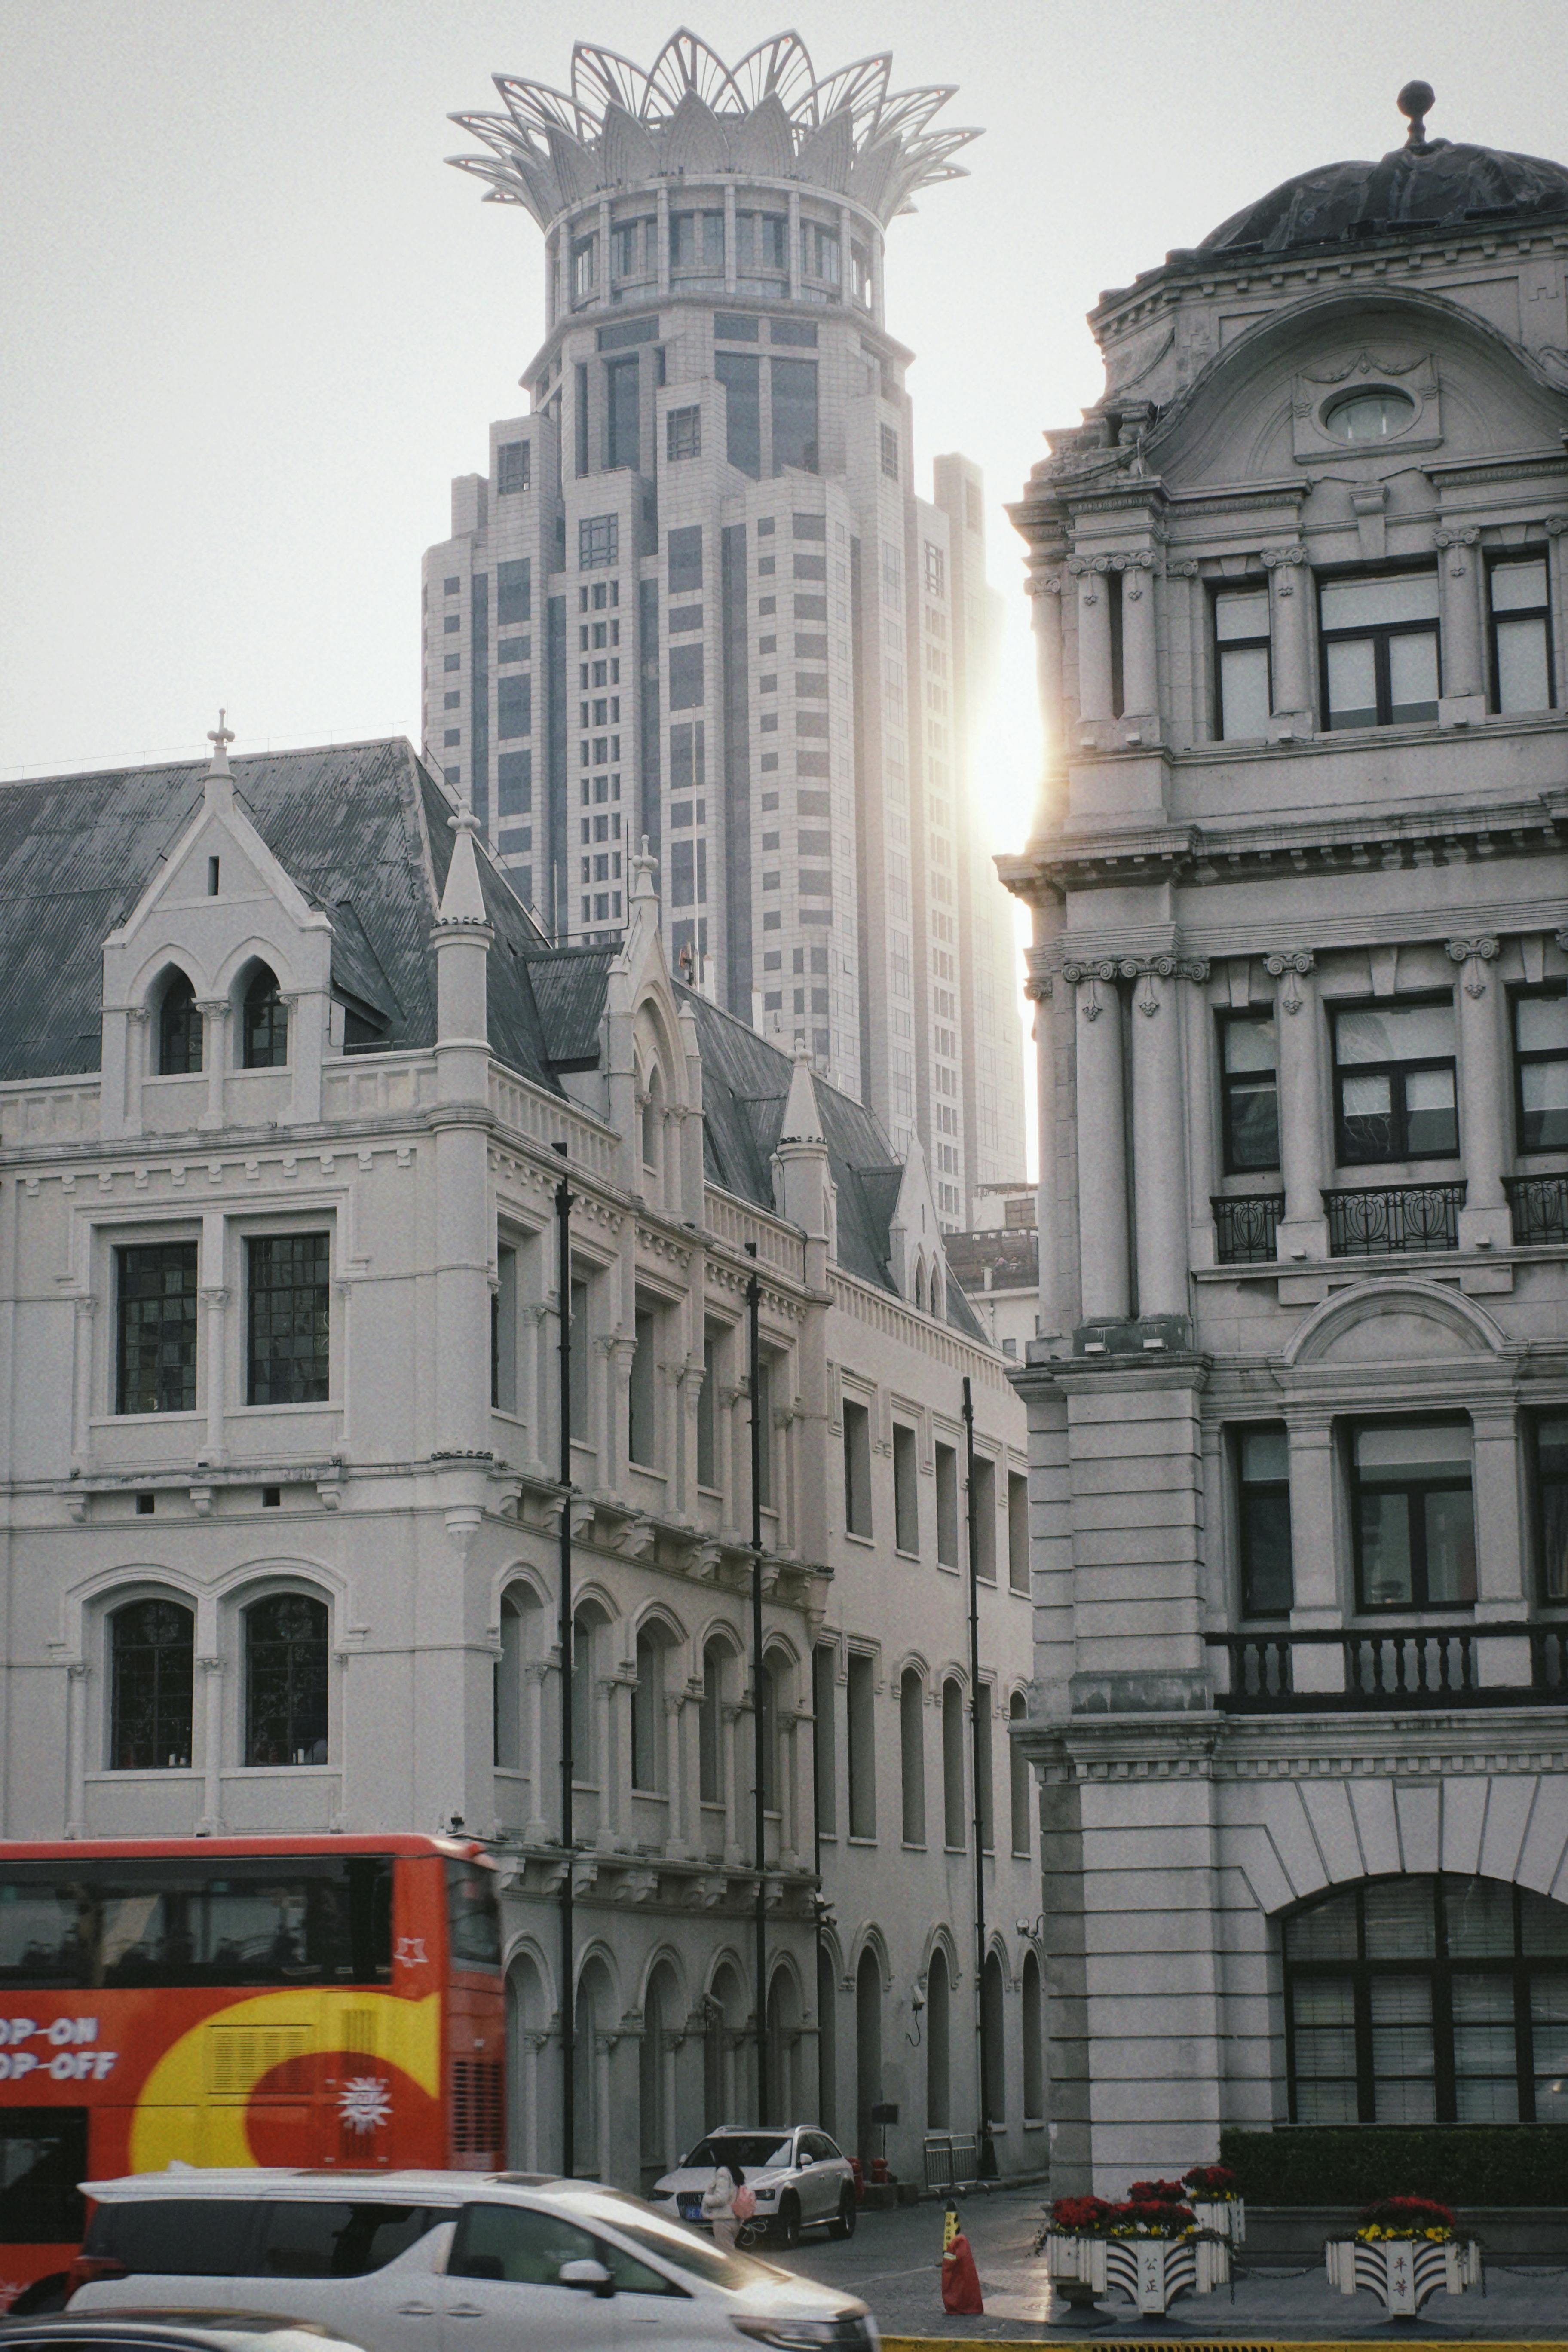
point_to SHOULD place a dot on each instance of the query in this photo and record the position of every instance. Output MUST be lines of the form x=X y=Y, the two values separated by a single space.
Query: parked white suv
x=445 y=2261
x=798 y=2175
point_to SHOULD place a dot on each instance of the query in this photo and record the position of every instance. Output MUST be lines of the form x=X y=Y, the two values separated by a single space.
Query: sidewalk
x=892 y=2263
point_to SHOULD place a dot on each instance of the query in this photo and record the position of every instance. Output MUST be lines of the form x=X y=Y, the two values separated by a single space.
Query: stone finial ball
x=1418 y=98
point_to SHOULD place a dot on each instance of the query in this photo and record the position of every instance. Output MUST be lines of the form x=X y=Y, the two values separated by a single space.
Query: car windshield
x=757 y=2151
x=681 y=2248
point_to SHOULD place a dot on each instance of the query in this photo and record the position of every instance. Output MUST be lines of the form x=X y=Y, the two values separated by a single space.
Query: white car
x=445 y=2261
x=797 y=2175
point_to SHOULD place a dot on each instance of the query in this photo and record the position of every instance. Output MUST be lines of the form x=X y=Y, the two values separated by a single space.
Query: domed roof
x=1426 y=183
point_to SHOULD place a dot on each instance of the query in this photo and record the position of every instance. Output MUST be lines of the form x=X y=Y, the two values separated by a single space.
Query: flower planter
x=1403 y=2272
x=1151 y=2271
x=1226 y=2216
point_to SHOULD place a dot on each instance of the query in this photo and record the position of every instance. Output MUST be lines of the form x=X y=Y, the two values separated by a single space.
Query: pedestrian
x=959 y=2279
x=719 y=2208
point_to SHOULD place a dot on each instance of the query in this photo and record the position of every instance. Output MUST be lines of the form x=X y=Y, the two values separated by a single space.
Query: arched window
x=711 y=1725
x=1018 y=1780
x=1034 y=2051
x=286 y=1680
x=263 y=1023
x=920 y=1287
x=586 y=1628
x=827 y=2040
x=993 y=2051
x=784 y=2048
x=518 y=1623
x=1413 y=2000
x=653 y=1122
x=647 y=1714
x=772 y=1678
x=936 y=1305
x=867 y=2053
x=911 y=1729
x=939 y=2025
x=953 y=1829
x=661 y=2012
x=179 y=1030
x=151 y=1646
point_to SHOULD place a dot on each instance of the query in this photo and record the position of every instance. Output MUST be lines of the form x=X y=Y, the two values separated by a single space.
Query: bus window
x=43 y=2155
x=165 y=1923
x=473 y=1917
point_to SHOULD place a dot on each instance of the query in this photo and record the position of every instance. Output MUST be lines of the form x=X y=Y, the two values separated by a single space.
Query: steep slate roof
x=746 y=1086
x=364 y=830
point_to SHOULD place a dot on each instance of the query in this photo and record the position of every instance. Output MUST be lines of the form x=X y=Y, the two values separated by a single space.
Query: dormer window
x=179 y=1030
x=1380 y=649
x=265 y=1023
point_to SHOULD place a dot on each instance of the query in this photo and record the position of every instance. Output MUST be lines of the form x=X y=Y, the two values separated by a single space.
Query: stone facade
x=282 y=1440
x=695 y=599
x=1300 y=961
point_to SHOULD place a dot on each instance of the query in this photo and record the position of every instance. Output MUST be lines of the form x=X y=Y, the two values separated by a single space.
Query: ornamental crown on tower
x=691 y=114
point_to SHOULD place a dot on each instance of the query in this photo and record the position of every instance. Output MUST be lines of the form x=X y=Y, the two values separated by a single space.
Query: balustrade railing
x=1246 y=1227
x=1539 y=1205
x=1393 y=1219
x=1393 y=1667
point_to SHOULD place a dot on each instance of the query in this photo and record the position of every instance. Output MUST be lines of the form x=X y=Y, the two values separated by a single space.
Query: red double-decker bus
x=318 y=2000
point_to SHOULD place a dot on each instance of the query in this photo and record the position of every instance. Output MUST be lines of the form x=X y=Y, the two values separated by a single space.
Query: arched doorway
x=591 y=2072
x=526 y=2020
x=1033 y=2047
x=993 y=2018
x=784 y=2049
x=726 y=2068
x=867 y=2052
x=826 y=2041
x=939 y=2038
x=656 y=2076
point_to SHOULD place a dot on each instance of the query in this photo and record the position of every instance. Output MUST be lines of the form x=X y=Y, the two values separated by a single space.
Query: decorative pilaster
x=1303 y=1110
x=211 y=1822
x=1040 y=989
x=1093 y=645
x=1160 y=1193
x=84 y=1306
x=1139 y=655
x=1461 y=578
x=215 y=1302
x=540 y=1675
x=215 y=1057
x=1483 y=1220
x=1102 y=1143
x=1314 y=1549
x=1289 y=638
x=76 y=1748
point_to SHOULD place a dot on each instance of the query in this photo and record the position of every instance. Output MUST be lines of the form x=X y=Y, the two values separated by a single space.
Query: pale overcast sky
x=252 y=325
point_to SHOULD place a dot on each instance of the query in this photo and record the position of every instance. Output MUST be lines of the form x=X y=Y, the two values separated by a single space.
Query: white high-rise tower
x=695 y=599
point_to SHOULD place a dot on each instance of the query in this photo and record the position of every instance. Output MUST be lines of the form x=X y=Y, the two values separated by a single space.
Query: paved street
x=893 y=2258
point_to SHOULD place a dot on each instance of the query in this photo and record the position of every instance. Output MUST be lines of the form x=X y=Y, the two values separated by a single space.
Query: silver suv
x=798 y=2175
x=445 y=2261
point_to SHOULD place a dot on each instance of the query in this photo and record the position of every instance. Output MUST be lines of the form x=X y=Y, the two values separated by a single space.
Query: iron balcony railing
x=1393 y=1219
x=1246 y=1227
x=1540 y=1208
x=1396 y=1667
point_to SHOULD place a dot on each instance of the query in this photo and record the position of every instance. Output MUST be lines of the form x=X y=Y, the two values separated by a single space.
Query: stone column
x=1461 y=577
x=76 y=1749
x=1501 y=1582
x=1160 y=1191
x=215 y=1057
x=85 y=1307
x=1198 y=1059
x=1290 y=637
x=1314 y=1549
x=1303 y=1229
x=1093 y=645
x=606 y=1691
x=215 y=1299
x=1102 y=1143
x=211 y=1822
x=1040 y=989
x=1484 y=1111
x=1045 y=591
x=678 y=1792
x=1139 y=653
x=734 y=1810
x=538 y=1674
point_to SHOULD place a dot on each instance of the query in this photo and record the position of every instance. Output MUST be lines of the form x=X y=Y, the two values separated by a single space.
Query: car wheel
x=843 y=2224
x=788 y=2224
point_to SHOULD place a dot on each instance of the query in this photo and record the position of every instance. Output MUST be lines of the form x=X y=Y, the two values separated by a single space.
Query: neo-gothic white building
x=290 y=1080
x=1298 y=1426
x=694 y=597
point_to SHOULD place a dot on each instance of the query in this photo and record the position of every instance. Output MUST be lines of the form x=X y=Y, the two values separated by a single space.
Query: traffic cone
x=960 y=2280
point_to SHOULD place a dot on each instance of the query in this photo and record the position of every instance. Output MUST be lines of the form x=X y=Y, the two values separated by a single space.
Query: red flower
x=1416 y=2213
x=1081 y=2216
x=1157 y=2192
x=1211 y=2181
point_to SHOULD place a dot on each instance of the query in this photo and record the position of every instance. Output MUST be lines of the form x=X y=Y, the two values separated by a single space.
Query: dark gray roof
x=1434 y=186
x=745 y=1087
x=362 y=828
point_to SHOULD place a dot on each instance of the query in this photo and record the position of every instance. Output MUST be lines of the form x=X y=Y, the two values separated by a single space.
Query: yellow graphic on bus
x=195 y=2107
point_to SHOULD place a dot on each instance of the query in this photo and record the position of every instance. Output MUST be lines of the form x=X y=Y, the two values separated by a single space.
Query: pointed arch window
x=179 y=1030
x=264 y=1026
x=151 y=1649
